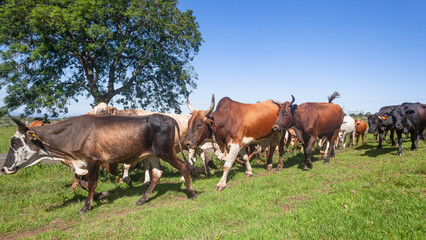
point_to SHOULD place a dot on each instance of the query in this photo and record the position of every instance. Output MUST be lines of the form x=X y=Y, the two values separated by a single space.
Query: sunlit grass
x=362 y=194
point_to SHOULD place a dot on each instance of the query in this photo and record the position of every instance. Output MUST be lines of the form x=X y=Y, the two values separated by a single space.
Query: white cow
x=347 y=127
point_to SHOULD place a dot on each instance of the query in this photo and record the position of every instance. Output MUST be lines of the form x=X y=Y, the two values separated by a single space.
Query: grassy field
x=362 y=194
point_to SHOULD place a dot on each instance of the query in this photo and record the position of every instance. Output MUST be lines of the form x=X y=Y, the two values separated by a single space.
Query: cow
x=408 y=118
x=347 y=127
x=311 y=120
x=234 y=125
x=360 y=128
x=85 y=142
x=182 y=120
x=381 y=123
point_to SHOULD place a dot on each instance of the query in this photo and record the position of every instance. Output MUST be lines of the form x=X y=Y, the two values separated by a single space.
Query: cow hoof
x=128 y=181
x=220 y=188
x=212 y=165
x=305 y=168
x=101 y=195
x=399 y=154
x=269 y=167
x=249 y=174
x=279 y=168
x=140 y=202
x=146 y=184
x=193 y=196
x=326 y=162
x=83 y=210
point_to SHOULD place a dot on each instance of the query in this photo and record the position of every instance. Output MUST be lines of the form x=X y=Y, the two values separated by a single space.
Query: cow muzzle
x=276 y=128
x=6 y=171
x=189 y=144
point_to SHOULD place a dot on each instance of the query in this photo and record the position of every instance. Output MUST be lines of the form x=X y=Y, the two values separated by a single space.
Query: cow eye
x=14 y=144
x=199 y=124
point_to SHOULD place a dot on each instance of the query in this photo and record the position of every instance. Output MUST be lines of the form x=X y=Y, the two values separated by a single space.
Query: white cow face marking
x=22 y=153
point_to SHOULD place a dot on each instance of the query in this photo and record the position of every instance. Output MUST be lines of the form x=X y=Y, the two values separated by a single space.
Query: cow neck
x=59 y=138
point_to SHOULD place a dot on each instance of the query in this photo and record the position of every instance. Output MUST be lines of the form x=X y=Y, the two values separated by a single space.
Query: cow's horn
x=190 y=106
x=292 y=99
x=22 y=128
x=210 y=110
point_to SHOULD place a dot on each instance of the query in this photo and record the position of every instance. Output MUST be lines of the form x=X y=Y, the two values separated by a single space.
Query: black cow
x=409 y=118
x=87 y=141
x=381 y=123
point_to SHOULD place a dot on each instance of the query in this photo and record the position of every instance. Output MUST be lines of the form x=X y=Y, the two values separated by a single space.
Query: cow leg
x=352 y=143
x=184 y=170
x=156 y=175
x=281 y=152
x=147 y=173
x=327 y=147
x=205 y=158
x=391 y=137
x=230 y=158
x=76 y=181
x=331 y=154
x=382 y=136
x=126 y=169
x=399 y=138
x=249 y=170
x=91 y=183
x=414 y=140
x=308 y=153
x=268 y=163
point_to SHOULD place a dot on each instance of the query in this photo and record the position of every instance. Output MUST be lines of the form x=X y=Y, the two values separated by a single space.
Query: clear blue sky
x=372 y=52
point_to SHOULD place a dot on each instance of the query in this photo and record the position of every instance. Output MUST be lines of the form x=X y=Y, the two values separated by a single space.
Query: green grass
x=362 y=194
x=6 y=134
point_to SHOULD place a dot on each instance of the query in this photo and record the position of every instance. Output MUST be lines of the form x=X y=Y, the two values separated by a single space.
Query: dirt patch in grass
x=56 y=224
x=293 y=201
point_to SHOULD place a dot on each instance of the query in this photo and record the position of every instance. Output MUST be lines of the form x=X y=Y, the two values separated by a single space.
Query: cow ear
x=211 y=123
x=31 y=134
x=22 y=128
x=293 y=108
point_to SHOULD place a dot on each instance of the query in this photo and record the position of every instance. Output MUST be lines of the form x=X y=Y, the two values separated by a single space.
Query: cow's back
x=318 y=119
x=182 y=120
x=236 y=121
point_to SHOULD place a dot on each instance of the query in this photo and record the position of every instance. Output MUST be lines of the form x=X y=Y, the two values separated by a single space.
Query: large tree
x=136 y=51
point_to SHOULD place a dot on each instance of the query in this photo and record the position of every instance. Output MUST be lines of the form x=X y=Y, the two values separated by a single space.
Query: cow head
x=285 y=118
x=399 y=115
x=26 y=149
x=103 y=109
x=200 y=125
x=373 y=122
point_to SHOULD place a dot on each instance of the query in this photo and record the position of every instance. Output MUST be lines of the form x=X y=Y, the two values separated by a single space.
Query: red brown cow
x=360 y=128
x=311 y=121
x=234 y=126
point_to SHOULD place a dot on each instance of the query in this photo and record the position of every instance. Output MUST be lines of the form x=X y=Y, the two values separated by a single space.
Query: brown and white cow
x=87 y=141
x=234 y=126
x=360 y=128
x=311 y=121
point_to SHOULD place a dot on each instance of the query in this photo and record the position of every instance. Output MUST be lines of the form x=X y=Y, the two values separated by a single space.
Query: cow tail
x=333 y=96
x=189 y=166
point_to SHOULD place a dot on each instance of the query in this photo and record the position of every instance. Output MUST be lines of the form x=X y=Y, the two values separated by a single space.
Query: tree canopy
x=136 y=51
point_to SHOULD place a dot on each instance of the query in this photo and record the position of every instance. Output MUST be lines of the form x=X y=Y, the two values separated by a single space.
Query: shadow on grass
x=374 y=152
x=121 y=190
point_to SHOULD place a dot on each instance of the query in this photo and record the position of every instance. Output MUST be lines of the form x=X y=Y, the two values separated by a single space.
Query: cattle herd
x=234 y=130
